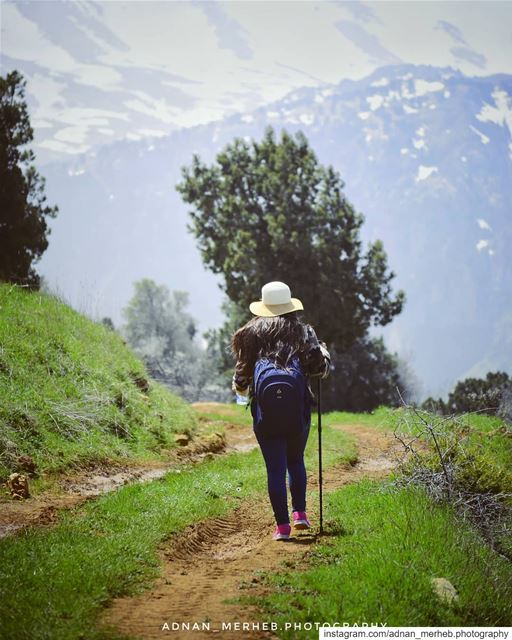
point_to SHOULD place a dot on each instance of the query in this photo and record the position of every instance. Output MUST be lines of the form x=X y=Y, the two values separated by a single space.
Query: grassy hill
x=72 y=393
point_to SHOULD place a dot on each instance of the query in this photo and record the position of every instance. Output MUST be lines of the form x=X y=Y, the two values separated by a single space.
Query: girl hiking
x=276 y=354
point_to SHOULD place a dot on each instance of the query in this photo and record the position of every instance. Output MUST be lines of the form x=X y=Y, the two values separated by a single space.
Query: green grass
x=493 y=453
x=382 y=418
x=231 y=413
x=387 y=418
x=68 y=390
x=54 y=583
x=482 y=453
x=385 y=547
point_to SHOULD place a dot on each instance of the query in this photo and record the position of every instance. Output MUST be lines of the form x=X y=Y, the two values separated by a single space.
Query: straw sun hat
x=276 y=300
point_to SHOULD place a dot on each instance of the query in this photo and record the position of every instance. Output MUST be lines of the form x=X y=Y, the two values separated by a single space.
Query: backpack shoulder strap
x=259 y=366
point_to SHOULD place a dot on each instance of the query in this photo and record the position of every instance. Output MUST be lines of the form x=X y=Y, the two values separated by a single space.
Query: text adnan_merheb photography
x=236 y=626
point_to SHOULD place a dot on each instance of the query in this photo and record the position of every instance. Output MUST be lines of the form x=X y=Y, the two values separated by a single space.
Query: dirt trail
x=220 y=559
x=74 y=489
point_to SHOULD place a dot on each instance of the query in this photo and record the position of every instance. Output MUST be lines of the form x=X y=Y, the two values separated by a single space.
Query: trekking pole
x=320 y=454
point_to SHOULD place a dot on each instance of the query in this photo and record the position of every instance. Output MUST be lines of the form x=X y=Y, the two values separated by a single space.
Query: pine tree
x=268 y=211
x=23 y=214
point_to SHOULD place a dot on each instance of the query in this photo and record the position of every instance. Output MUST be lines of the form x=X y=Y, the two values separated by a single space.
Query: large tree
x=23 y=214
x=270 y=211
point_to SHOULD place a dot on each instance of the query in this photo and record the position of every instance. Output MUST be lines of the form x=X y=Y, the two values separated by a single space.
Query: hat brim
x=270 y=310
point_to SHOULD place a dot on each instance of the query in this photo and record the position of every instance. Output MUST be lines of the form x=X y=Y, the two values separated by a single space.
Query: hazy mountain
x=426 y=155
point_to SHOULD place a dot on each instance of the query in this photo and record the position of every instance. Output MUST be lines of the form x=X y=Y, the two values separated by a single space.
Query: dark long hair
x=279 y=339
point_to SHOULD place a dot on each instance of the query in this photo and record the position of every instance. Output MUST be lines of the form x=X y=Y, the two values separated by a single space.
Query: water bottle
x=242 y=400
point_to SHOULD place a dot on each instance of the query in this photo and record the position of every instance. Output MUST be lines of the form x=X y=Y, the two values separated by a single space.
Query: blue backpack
x=281 y=404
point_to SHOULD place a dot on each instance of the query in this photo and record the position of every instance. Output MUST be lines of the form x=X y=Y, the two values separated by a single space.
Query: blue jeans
x=282 y=455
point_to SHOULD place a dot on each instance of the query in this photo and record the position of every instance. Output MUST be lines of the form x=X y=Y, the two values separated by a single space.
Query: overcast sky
x=99 y=71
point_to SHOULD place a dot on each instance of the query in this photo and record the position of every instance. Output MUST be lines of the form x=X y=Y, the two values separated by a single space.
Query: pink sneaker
x=282 y=532
x=300 y=520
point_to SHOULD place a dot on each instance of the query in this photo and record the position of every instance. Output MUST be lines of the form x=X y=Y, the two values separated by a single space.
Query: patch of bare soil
x=73 y=489
x=214 y=561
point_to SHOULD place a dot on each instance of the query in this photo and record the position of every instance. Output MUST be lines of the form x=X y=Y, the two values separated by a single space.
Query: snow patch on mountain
x=500 y=113
x=408 y=91
x=289 y=117
x=383 y=82
x=425 y=172
x=484 y=139
x=484 y=244
x=376 y=101
x=483 y=224
x=422 y=87
x=307 y=118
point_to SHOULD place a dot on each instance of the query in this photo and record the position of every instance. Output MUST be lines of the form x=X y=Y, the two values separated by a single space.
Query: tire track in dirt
x=219 y=559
